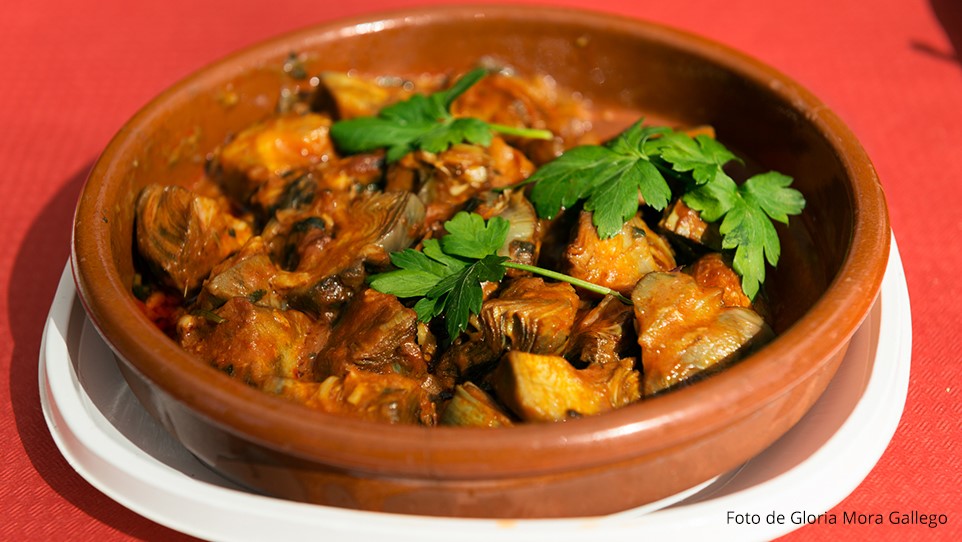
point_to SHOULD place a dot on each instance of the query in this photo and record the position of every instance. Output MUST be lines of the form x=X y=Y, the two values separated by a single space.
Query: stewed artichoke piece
x=471 y=406
x=713 y=271
x=375 y=333
x=685 y=329
x=252 y=343
x=530 y=315
x=362 y=231
x=271 y=149
x=390 y=398
x=251 y=274
x=529 y=102
x=546 y=388
x=525 y=232
x=686 y=223
x=447 y=180
x=620 y=261
x=603 y=334
x=352 y=95
x=183 y=235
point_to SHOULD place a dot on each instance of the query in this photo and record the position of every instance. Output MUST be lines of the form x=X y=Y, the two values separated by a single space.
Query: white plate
x=111 y=441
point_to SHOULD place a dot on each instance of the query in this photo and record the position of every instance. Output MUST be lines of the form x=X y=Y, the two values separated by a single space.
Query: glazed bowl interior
x=833 y=255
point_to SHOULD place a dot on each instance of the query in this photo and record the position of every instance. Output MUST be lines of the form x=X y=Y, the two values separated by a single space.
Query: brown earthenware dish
x=833 y=260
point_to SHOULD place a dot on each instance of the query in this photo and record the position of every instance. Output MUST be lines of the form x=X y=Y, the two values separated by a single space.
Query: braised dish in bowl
x=515 y=268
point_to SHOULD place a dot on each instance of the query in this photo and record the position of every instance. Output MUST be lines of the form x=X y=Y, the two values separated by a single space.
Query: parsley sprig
x=447 y=273
x=609 y=179
x=423 y=122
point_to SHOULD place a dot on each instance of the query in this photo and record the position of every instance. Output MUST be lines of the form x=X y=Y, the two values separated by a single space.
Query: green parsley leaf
x=610 y=178
x=703 y=156
x=470 y=237
x=771 y=193
x=422 y=122
x=748 y=211
x=447 y=274
x=405 y=282
x=712 y=200
x=418 y=272
x=460 y=295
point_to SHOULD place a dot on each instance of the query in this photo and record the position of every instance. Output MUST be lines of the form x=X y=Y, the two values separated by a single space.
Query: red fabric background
x=74 y=72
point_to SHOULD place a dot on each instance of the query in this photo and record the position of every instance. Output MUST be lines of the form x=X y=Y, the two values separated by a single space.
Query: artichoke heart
x=390 y=398
x=685 y=329
x=183 y=235
x=471 y=406
x=620 y=261
x=546 y=388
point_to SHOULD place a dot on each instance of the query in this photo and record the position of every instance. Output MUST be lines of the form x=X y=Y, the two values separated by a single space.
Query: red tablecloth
x=74 y=72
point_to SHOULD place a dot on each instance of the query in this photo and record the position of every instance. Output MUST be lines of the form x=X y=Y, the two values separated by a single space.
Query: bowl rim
x=442 y=452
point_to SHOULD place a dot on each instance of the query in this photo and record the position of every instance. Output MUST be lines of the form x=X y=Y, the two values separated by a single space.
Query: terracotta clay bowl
x=833 y=260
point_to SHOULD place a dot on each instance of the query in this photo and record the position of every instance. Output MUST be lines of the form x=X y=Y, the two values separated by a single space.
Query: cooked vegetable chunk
x=685 y=222
x=375 y=333
x=251 y=274
x=471 y=406
x=254 y=344
x=523 y=240
x=529 y=103
x=685 y=329
x=328 y=260
x=363 y=230
x=269 y=149
x=447 y=180
x=390 y=398
x=364 y=227
x=183 y=236
x=620 y=261
x=545 y=388
x=712 y=271
x=603 y=333
x=529 y=315
x=355 y=95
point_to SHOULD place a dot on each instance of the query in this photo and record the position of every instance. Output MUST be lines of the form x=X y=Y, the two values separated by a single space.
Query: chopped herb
x=210 y=316
x=447 y=274
x=256 y=295
x=608 y=177
x=611 y=177
x=422 y=122
x=747 y=212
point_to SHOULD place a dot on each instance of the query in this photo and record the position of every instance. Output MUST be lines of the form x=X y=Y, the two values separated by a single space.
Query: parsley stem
x=590 y=286
x=530 y=133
